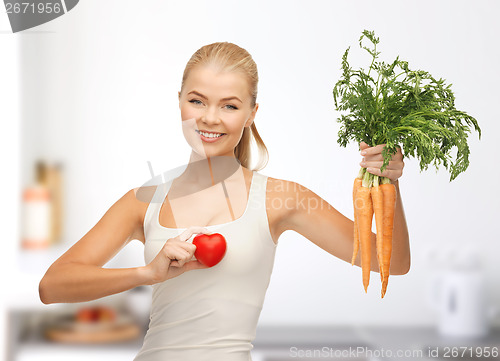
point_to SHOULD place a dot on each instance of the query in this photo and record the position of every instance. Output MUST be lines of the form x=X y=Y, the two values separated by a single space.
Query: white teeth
x=209 y=135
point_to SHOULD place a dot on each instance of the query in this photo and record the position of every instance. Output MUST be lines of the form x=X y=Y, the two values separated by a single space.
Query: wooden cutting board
x=93 y=333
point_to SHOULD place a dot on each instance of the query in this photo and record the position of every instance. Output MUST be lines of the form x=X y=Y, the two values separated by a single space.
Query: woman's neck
x=216 y=169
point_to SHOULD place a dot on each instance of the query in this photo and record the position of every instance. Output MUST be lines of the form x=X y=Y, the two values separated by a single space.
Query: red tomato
x=210 y=248
x=86 y=314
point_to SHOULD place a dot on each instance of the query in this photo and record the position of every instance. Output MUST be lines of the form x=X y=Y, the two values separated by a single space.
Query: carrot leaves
x=393 y=105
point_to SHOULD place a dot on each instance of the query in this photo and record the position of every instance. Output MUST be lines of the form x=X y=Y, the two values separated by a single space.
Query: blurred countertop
x=364 y=343
x=380 y=342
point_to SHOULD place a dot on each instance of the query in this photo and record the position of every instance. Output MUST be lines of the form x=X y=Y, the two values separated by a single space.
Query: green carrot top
x=393 y=105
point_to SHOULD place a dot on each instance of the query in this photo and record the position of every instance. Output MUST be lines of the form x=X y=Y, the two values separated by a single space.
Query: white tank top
x=211 y=314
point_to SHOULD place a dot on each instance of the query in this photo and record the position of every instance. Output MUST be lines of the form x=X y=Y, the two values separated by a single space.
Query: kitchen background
x=91 y=97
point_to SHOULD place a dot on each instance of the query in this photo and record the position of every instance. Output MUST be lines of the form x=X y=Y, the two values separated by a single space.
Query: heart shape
x=210 y=248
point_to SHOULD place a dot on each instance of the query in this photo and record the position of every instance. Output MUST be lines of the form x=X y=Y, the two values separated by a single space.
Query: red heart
x=210 y=248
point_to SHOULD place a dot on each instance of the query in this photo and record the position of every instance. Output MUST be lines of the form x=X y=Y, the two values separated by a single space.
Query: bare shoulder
x=144 y=194
x=281 y=198
x=142 y=197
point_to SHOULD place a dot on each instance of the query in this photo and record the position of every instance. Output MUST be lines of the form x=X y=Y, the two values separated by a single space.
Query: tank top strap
x=257 y=195
x=257 y=216
x=154 y=206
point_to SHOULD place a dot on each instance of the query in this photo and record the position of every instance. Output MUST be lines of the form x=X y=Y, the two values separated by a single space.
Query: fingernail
x=363 y=152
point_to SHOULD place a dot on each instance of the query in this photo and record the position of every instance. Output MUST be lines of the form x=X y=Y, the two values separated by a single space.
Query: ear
x=252 y=116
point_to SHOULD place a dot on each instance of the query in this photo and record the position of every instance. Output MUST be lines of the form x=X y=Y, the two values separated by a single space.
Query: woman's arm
x=314 y=218
x=78 y=276
x=311 y=216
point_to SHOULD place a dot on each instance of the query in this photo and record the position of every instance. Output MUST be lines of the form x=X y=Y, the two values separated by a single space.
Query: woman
x=210 y=313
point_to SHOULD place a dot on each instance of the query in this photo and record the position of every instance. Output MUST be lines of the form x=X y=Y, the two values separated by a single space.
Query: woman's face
x=213 y=101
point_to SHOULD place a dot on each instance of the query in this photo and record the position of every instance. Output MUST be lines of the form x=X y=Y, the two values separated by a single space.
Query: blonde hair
x=230 y=57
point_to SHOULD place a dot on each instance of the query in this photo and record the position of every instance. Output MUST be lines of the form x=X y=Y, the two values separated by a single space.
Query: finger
x=180 y=255
x=174 y=263
x=399 y=153
x=373 y=150
x=182 y=258
x=181 y=261
x=187 y=246
x=194 y=265
x=393 y=165
x=376 y=171
x=363 y=145
x=184 y=236
x=398 y=157
x=391 y=174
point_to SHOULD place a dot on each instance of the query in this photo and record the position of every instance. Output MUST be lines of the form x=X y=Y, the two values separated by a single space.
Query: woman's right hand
x=175 y=257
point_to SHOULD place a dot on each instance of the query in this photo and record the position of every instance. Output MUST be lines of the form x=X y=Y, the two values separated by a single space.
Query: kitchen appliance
x=457 y=294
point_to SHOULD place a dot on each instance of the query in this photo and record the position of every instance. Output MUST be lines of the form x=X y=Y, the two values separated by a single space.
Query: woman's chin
x=209 y=149
x=206 y=153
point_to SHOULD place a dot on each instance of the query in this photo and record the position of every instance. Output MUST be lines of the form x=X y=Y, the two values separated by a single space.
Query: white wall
x=10 y=161
x=99 y=92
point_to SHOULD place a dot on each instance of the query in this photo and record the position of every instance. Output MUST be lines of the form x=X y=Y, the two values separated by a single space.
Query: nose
x=210 y=115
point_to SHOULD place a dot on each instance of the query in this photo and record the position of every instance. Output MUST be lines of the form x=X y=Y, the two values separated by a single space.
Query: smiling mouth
x=209 y=134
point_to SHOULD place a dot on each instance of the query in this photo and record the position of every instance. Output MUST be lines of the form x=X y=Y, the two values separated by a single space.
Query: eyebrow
x=204 y=97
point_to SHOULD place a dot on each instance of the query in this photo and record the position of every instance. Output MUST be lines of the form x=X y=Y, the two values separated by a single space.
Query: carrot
x=357 y=184
x=389 y=198
x=364 y=208
x=377 y=199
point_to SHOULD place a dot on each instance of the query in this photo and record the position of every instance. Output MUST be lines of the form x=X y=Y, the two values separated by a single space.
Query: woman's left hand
x=373 y=160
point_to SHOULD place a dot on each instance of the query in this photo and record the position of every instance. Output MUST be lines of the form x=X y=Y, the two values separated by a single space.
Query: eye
x=231 y=106
x=194 y=101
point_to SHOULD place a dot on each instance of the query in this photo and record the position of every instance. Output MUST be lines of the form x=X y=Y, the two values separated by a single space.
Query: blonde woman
x=211 y=313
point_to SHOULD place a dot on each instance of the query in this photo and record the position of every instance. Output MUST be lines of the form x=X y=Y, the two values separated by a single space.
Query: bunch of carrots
x=388 y=103
x=373 y=195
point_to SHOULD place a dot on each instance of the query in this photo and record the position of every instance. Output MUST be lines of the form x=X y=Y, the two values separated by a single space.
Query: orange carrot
x=378 y=209
x=364 y=208
x=357 y=184
x=389 y=199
